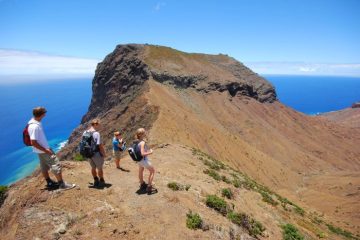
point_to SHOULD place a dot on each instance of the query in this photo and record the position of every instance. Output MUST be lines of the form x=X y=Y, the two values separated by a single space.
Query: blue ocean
x=67 y=101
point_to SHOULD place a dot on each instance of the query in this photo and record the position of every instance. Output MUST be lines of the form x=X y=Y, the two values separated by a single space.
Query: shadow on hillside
x=106 y=185
x=142 y=191
x=123 y=169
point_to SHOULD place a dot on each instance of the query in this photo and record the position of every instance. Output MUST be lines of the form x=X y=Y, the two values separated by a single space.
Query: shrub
x=299 y=210
x=236 y=183
x=254 y=227
x=340 y=231
x=212 y=174
x=178 y=187
x=212 y=165
x=78 y=157
x=193 y=220
x=290 y=232
x=267 y=198
x=225 y=179
x=3 y=194
x=226 y=192
x=217 y=203
x=174 y=186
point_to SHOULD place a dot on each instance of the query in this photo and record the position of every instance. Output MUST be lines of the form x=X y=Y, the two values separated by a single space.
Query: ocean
x=316 y=94
x=67 y=101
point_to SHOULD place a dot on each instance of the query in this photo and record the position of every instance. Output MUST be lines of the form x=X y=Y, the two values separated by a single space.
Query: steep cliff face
x=120 y=81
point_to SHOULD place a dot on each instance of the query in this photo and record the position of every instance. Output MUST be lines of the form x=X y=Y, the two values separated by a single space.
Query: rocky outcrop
x=118 y=80
x=121 y=78
x=356 y=105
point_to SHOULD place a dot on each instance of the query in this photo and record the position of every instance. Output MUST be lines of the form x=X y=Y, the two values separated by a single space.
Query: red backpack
x=26 y=135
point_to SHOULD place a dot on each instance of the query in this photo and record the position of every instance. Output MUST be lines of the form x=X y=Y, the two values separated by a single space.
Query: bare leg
x=93 y=172
x=117 y=162
x=141 y=174
x=100 y=173
x=59 y=177
x=45 y=174
x=151 y=175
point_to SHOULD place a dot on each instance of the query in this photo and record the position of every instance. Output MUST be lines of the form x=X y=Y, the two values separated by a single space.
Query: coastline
x=23 y=155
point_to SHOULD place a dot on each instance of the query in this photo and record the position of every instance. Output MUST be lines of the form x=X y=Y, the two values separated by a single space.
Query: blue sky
x=270 y=36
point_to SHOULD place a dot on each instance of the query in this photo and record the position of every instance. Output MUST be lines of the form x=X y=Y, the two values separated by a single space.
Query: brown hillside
x=215 y=104
x=349 y=117
x=118 y=212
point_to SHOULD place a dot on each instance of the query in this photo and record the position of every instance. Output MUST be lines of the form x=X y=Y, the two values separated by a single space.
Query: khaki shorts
x=49 y=162
x=97 y=161
x=117 y=154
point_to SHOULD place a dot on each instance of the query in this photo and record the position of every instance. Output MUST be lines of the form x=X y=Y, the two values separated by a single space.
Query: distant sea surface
x=316 y=94
x=67 y=101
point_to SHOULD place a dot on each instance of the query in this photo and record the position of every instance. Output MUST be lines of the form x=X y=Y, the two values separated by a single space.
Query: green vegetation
x=3 y=194
x=178 y=187
x=78 y=157
x=290 y=232
x=236 y=183
x=267 y=198
x=242 y=180
x=212 y=165
x=321 y=234
x=217 y=203
x=299 y=210
x=174 y=186
x=212 y=174
x=254 y=227
x=225 y=179
x=226 y=192
x=341 y=232
x=193 y=220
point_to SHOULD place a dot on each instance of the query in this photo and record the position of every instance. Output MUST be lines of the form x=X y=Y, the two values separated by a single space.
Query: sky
x=69 y=37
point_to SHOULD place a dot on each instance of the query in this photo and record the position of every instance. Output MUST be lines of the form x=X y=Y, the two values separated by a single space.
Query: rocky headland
x=214 y=125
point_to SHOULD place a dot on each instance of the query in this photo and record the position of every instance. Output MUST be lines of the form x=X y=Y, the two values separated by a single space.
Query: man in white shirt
x=97 y=161
x=48 y=159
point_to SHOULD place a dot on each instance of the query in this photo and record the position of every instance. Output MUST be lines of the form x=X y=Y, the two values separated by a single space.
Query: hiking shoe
x=143 y=186
x=96 y=182
x=66 y=186
x=101 y=183
x=52 y=184
x=150 y=189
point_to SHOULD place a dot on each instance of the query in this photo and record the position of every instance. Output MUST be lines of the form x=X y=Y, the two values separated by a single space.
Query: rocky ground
x=121 y=211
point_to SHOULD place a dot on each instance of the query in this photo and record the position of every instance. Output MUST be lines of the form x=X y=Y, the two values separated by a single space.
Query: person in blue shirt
x=117 y=148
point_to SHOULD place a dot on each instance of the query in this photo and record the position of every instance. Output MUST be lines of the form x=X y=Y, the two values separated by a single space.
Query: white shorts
x=145 y=163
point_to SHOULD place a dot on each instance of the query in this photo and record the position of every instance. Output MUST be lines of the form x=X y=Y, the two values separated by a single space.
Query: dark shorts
x=97 y=161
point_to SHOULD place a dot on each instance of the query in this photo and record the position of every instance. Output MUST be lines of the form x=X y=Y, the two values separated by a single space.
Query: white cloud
x=301 y=68
x=159 y=5
x=29 y=64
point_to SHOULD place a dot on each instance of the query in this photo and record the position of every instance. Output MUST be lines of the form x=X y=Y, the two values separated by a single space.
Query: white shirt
x=96 y=136
x=36 y=132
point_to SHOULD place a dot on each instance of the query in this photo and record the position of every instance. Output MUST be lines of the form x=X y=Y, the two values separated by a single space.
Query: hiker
x=47 y=157
x=145 y=162
x=118 y=147
x=97 y=160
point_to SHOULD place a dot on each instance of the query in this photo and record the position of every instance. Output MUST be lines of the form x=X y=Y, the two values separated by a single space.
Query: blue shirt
x=116 y=144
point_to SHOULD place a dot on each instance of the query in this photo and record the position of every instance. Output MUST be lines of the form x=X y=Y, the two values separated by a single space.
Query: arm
x=102 y=150
x=120 y=142
x=35 y=144
x=142 y=149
